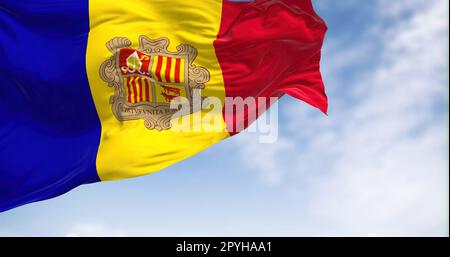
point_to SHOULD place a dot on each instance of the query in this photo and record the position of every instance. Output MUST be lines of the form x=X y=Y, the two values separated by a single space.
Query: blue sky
x=377 y=165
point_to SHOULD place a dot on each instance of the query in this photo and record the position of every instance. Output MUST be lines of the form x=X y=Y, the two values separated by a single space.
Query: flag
x=86 y=87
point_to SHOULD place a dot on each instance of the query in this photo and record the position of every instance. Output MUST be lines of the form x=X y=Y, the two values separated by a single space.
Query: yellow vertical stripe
x=135 y=88
x=182 y=64
x=154 y=64
x=131 y=89
x=126 y=81
x=128 y=148
x=172 y=70
x=138 y=88
x=143 y=89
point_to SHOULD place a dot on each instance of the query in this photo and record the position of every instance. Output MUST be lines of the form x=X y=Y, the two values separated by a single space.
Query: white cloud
x=93 y=230
x=377 y=165
x=265 y=158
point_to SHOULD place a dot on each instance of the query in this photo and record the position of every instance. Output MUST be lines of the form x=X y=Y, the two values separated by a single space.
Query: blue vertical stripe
x=49 y=128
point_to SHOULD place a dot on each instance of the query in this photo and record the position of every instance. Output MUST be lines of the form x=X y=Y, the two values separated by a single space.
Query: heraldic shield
x=147 y=79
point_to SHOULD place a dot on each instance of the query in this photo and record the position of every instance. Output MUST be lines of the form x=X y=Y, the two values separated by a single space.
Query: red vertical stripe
x=177 y=70
x=147 y=91
x=168 y=66
x=140 y=89
x=133 y=83
x=294 y=37
x=158 y=68
x=129 y=90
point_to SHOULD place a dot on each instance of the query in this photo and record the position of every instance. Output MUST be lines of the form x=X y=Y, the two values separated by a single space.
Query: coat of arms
x=147 y=79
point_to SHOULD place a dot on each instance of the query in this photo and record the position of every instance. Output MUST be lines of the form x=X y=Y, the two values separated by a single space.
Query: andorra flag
x=91 y=90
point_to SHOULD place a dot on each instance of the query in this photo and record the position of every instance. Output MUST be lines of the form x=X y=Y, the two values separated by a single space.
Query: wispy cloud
x=378 y=163
x=264 y=159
